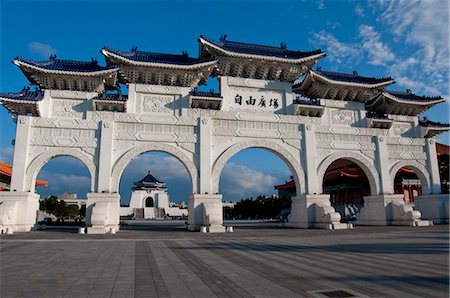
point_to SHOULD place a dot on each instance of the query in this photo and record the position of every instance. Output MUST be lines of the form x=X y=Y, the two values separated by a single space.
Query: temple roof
x=340 y=86
x=23 y=102
x=149 y=182
x=232 y=48
x=205 y=100
x=401 y=103
x=205 y=94
x=68 y=74
x=430 y=128
x=142 y=58
x=65 y=66
x=340 y=78
x=352 y=78
x=115 y=97
x=26 y=95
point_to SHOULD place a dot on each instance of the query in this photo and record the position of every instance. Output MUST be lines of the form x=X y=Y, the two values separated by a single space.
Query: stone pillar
x=433 y=166
x=385 y=210
x=433 y=207
x=18 y=210
x=314 y=211
x=206 y=210
x=386 y=185
x=205 y=155
x=102 y=212
x=20 y=160
x=105 y=157
x=313 y=186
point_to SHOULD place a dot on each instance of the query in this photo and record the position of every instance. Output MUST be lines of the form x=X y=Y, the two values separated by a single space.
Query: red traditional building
x=5 y=177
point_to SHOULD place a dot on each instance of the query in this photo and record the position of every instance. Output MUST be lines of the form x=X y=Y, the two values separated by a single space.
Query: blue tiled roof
x=26 y=95
x=351 y=77
x=112 y=97
x=66 y=65
x=413 y=97
x=261 y=50
x=148 y=182
x=428 y=123
x=205 y=94
x=140 y=56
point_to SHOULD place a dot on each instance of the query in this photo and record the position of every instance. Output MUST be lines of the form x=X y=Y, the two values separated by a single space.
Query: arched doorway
x=63 y=199
x=407 y=182
x=347 y=184
x=155 y=185
x=247 y=184
x=149 y=202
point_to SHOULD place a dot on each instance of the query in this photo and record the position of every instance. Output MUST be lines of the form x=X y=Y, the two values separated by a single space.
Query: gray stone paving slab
x=260 y=261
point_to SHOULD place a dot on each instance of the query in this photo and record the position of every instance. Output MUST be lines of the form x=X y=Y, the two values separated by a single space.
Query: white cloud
x=59 y=183
x=6 y=154
x=42 y=49
x=321 y=4
x=239 y=181
x=359 y=11
x=378 y=52
x=333 y=25
x=162 y=167
x=424 y=25
x=337 y=52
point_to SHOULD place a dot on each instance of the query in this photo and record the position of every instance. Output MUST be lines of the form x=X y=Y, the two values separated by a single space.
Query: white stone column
x=205 y=208
x=205 y=155
x=433 y=166
x=205 y=211
x=131 y=101
x=382 y=156
x=20 y=159
x=102 y=213
x=105 y=157
x=313 y=186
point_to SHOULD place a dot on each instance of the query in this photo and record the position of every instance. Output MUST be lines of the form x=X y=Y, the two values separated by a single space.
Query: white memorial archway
x=309 y=124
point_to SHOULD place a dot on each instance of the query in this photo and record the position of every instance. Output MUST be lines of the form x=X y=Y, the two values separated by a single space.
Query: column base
x=206 y=210
x=102 y=213
x=385 y=210
x=314 y=211
x=433 y=207
x=18 y=211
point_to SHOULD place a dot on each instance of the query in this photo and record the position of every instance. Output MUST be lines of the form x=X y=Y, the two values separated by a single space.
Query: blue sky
x=407 y=40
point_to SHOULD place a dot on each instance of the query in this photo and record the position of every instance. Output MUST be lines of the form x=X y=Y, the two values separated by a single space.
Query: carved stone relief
x=342 y=117
x=68 y=108
x=156 y=103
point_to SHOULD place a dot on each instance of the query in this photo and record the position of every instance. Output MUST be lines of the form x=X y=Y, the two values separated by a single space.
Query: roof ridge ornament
x=223 y=38
x=355 y=73
x=283 y=46
x=134 y=49
x=52 y=57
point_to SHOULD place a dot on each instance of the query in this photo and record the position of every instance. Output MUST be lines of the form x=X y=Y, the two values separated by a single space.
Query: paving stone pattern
x=252 y=262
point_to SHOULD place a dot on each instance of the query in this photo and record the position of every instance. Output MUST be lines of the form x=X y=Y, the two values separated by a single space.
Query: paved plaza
x=261 y=260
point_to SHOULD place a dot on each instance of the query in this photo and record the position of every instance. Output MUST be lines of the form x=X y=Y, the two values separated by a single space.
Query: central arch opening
x=257 y=186
x=347 y=184
x=154 y=189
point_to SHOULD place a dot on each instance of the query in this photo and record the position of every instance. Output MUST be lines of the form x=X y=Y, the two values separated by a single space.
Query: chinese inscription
x=253 y=101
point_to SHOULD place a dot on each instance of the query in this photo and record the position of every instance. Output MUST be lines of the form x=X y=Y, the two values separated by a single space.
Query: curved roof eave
x=253 y=56
x=21 y=64
x=109 y=54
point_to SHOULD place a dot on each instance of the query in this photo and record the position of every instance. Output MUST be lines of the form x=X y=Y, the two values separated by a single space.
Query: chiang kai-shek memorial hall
x=269 y=97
